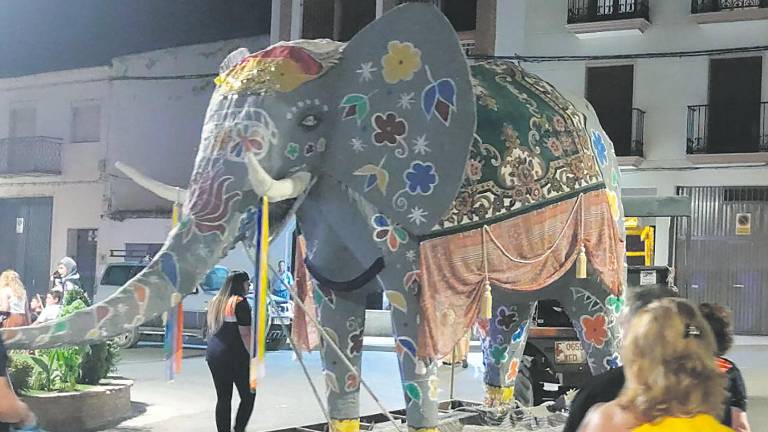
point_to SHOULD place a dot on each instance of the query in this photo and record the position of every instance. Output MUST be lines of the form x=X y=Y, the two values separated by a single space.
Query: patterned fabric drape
x=452 y=267
x=304 y=334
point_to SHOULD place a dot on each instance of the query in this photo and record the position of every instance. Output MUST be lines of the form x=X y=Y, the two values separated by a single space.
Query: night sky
x=48 y=35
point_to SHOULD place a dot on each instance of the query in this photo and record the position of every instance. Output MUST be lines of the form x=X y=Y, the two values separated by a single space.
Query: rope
x=487 y=229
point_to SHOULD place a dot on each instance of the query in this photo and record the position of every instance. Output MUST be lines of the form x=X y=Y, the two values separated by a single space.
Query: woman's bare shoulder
x=608 y=417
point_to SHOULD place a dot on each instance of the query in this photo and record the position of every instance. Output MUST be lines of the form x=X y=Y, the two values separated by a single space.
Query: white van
x=195 y=306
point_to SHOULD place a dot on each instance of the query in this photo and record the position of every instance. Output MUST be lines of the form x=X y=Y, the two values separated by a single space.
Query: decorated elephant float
x=464 y=192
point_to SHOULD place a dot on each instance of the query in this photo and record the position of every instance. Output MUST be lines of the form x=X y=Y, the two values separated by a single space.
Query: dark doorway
x=609 y=90
x=461 y=13
x=81 y=246
x=355 y=14
x=25 y=240
x=734 y=105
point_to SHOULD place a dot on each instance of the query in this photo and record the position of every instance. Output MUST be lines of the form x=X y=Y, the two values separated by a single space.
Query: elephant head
x=372 y=114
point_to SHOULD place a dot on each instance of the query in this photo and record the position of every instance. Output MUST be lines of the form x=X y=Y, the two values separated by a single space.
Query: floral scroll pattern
x=542 y=153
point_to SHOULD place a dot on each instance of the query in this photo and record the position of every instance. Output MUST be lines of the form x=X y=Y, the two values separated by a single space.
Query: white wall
x=156 y=124
x=662 y=87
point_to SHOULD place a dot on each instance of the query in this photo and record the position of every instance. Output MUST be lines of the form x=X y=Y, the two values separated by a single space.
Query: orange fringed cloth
x=549 y=240
x=303 y=332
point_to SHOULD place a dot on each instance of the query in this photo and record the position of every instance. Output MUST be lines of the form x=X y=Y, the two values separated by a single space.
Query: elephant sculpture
x=461 y=191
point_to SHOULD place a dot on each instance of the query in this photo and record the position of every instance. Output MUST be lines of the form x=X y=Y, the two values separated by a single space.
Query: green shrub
x=73 y=295
x=21 y=369
x=98 y=362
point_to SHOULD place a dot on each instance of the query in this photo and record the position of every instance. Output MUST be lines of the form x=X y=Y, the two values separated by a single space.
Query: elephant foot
x=498 y=396
x=345 y=425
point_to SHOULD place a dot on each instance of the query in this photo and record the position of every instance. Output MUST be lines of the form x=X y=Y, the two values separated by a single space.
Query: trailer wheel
x=523 y=384
x=128 y=340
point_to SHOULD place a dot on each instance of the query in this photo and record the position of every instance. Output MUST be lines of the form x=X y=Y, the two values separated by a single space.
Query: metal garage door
x=722 y=252
x=25 y=240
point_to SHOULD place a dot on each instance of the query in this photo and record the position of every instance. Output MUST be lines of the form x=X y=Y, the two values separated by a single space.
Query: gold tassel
x=581 y=264
x=486 y=305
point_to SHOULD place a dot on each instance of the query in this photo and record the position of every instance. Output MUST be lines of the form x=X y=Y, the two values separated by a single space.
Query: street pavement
x=285 y=398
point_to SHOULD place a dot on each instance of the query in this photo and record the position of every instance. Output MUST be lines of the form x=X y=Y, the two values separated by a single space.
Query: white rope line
x=487 y=230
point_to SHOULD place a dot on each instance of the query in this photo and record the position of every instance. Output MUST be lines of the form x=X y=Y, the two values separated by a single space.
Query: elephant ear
x=404 y=116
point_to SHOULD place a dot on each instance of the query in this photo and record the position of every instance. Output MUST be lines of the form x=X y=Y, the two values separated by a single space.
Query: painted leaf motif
x=446 y=90
x=376 y=176
x=429 y=99
x=413 y=391
x=397 y=300
x=518 y=335
x=330 y=382
x=443 y=111
x=102 y=311
x=380 y=221
x=410 y=278
x=392 y=241
x=401 y=234
x=357 y=106
x=169 y=268
x=60 y=327
x=381 y=234
x=408 y=345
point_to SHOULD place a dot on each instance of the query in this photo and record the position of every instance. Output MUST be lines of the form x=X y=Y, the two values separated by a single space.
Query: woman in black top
x=228 y=352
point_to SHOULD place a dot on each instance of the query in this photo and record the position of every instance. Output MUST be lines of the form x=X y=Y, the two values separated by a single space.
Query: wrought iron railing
x=30 y=156
x=701 y=6
x=699 y=139
x=584 y=11
x=638 y=130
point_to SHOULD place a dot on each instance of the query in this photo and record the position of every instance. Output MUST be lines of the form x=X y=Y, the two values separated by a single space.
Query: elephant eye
x=310 y=121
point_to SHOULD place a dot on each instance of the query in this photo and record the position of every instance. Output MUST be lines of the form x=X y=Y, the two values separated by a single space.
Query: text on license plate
x=569 y=352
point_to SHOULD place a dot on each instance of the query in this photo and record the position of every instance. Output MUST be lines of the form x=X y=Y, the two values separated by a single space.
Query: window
x=609 y=90
x=461 y=13
x=86 y=122
x=355 y=14
x=23 y=122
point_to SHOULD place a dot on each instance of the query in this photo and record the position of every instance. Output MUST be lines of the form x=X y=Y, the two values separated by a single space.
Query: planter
x=87 y=410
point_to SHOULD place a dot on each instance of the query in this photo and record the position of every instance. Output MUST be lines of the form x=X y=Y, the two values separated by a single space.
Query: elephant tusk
x=275 y=190
x=171 y=193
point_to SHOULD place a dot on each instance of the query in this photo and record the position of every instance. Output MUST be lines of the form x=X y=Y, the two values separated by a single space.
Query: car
x=195 y=304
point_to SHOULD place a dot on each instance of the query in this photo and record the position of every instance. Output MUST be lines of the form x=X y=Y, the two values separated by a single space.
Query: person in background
x=459 y=353
x=606 y=387
x=66 y=277
x=282 y=283
x=13 y=300
x=719 y=319
x=12 y=410
x=35 y=307
x=672 y=384
x=228 y=351
x=52 y=307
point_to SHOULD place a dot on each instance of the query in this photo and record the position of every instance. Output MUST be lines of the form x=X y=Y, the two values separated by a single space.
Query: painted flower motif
x=292 y=151
x=420 y=178
x=401 y=62
x=352 y=382
x=613 y=202
x=247 y=140
x=390 y=129
x=601 y=150
x=559 y=123
x=615 y=303
x=554 y=146
x=514 y=365
x=612 y=362
x=355 y=343
x=510 y=135
x=517 y=336
x=499 y=354
x=474 y=170
x=393 y=234
x=506 y=318
x=595 y=330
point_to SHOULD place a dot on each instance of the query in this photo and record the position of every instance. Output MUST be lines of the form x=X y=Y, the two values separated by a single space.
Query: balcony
x=598 y=18
x=30 y=156
x=725 y=11
x=728 y=134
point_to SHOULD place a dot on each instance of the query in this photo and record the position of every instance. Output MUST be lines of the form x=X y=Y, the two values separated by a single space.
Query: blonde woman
x=672 y=384
x=13 y=300
x=228 y=352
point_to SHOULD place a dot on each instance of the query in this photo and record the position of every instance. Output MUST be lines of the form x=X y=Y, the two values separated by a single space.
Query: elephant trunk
x=192 y=248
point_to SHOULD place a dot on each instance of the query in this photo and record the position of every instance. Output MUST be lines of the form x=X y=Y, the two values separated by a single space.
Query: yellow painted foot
x=498 y=396
x=345 y=425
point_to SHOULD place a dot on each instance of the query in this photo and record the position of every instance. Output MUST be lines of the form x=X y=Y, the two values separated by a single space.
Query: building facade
x=63 y=131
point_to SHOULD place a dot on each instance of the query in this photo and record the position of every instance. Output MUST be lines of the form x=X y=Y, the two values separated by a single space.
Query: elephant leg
x=400 y=282
x=503 y=346
x=593 y=311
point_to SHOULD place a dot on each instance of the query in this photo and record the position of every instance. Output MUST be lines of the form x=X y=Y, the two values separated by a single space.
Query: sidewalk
x=750 y=341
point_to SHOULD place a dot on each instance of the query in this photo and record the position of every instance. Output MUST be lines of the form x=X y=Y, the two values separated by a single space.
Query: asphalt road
x=285 y=398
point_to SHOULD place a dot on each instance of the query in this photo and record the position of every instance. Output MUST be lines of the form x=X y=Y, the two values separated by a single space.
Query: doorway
x=733 y=121
x=81 y=246
x=610 y=91
x=25 y=239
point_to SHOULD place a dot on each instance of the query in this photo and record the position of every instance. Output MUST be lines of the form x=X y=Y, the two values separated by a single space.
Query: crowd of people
x=17 y=309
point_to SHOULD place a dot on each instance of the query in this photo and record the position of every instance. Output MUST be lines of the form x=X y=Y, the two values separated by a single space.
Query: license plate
x=569 y=352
